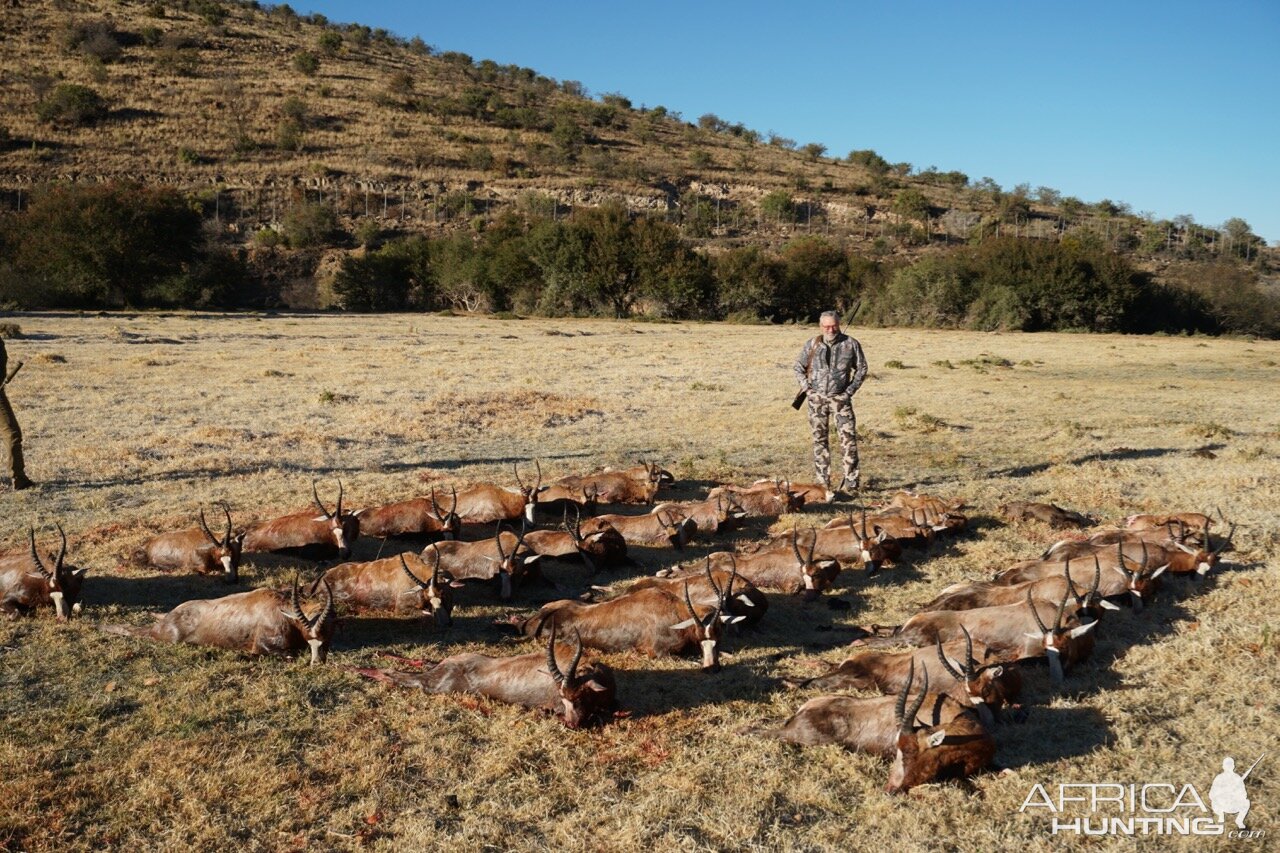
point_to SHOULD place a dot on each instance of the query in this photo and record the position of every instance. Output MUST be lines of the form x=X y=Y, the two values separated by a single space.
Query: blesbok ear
x=532 y=558
x=745 y=600
x=680 y=626
x=936 y=739
x=734 y=620
x=596 y=686
x=1108 y=605
x=79 y=573
x=1082 y=630
x=321 y=518
x=1158 y=572
x=356 y=514
x=996 y=671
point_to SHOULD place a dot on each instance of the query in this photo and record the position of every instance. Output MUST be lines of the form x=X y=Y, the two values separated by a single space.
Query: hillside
x=254 y=110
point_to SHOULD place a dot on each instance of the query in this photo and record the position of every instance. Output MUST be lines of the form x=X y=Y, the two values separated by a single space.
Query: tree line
x=134 y=246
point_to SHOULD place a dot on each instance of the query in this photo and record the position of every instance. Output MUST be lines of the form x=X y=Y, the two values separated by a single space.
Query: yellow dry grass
x=133 y=422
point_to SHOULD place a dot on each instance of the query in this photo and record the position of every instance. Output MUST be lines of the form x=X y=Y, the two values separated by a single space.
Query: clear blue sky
x=1172 y=107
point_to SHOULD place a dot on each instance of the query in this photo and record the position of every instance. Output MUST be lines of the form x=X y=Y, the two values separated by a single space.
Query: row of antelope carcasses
x=685 y=611
x=961 y=653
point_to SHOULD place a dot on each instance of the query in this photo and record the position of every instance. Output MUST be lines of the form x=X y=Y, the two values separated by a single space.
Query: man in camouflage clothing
x=10 y=433
x=831 y=368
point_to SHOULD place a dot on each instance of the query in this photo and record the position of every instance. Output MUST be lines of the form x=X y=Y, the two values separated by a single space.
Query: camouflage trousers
x=846 y=428
x=11 y=437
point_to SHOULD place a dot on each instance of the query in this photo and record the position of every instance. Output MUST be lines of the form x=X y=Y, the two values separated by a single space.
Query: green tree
x=71 y=105
x=100 y=245
x=778 y=205
x=912 y=204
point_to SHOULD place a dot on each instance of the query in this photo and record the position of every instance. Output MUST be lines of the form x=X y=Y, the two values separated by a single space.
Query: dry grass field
x=134 y=422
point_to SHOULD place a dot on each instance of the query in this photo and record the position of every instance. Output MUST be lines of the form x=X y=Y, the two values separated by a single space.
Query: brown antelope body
x=305 y=534
x=719 y=514
x=963 y=675
x=1090 y=600
x=503 y=557
x=1177 y=556
x=1009 y=631
x=614 y=487
x=765 y=499
x=487 y=503
x=1051 y=514
x=747 y=602
x=196 y=549
x=657 y=528
x=395 y=584
x=784 y=569
x=28 y=584
x=650 y=621
x=894 y=526
x=604 y=547
x=937 y=738
x=258 y=622
x=419 y=518
x=535 y=680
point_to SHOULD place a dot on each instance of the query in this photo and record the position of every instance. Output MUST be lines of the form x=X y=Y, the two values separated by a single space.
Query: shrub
x=306 y=62
x=330 y=42
x=309 y=224
x=778 y=205
x=72 y=105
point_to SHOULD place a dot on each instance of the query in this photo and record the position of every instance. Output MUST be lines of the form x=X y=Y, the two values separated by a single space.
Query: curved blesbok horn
x=204 y=525
x=907 y=717
x=417 y=580
x=51 y=577
x=553 y=668
x=315 y=495
x=226 y=511
x=296 y=613
x=329 y=611
x=337 y=513
x=1044 y=629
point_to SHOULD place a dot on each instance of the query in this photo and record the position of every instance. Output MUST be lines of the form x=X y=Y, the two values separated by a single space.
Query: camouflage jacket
x=837 y=370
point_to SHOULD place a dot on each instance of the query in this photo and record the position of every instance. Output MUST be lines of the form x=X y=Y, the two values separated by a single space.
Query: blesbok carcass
x=487 y=503
x=945 y=741
x=782 y=569
x=650 y=472
x=391 y=585
x=1051 y=514
x=650 y=621
x=895 y=524
x=602 y=548
x=1138 y=576
x=747 y=601
x=195 y=548
x=656 y=528
x=1177 y=556
x=875 y=541
x=947 y=522
x=1009 y=631
x=764 y=499
x=719 y=514
x=612 y=487
x=1193 y=523
x=933 y=509
x=811 y=494
x=504 y=557
x=1090 y=600
x=27 y=584
x=258 y=622
x=849 y=544
x=965 y=676
x=535 y=680
x=303 y=534
x=558 y=499
x=419 y=518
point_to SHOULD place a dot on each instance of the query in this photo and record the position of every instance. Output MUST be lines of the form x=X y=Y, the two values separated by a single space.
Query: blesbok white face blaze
x=226 y=564
x=59 y=603
x=319 y=651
